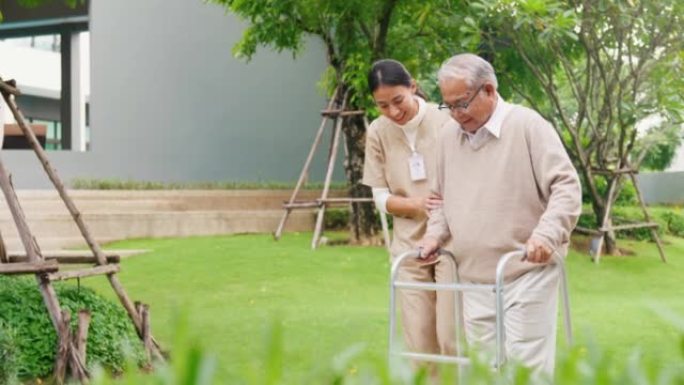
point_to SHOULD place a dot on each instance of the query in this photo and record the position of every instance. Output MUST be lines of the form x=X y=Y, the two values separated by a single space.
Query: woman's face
x=397 y=102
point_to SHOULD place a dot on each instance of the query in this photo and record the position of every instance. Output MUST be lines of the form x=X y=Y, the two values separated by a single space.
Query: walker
x=498 y=288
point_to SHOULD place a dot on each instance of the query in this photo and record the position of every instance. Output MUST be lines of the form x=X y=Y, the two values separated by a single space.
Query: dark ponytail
x=388 y=72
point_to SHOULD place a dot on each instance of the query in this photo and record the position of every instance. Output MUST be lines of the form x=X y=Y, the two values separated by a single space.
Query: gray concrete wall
x=662 y=187
x=169 y=102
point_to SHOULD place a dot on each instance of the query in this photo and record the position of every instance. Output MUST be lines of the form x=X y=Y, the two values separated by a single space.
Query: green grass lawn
x=232 y=288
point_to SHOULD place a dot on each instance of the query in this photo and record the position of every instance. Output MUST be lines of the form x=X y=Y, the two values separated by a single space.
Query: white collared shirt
x=410 y=129
x=491 y=127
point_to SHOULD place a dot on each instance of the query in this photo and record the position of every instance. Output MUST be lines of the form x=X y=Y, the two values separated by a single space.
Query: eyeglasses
x=461 y=106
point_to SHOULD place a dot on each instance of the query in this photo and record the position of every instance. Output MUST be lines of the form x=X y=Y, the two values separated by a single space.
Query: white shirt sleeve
x=380 y=197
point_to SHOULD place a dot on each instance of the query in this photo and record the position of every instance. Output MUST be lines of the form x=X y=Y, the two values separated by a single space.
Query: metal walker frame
x=456 y=287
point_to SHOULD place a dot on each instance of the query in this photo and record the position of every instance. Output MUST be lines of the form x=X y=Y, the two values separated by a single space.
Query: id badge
x=417 y=167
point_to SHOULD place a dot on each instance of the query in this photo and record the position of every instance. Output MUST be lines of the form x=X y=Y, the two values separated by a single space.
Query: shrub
x=121 y=184
x=22 y=307
x=587 y=220
x=338 y=219
x=670 y=221
x=675 y=223
x=8 y=355
x=626 y=196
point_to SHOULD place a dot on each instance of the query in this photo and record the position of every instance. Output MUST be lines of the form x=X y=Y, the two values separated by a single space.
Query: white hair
x=469 y=67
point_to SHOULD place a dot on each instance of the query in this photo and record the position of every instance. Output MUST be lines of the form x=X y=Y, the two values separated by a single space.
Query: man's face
x=480 y=100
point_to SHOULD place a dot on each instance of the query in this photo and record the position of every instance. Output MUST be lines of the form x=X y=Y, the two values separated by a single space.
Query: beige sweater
x=386 y=166
x=498 y=194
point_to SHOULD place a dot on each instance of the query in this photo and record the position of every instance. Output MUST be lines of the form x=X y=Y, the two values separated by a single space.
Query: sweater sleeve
x=557 y=181
x=374 y=163
x=437 y=226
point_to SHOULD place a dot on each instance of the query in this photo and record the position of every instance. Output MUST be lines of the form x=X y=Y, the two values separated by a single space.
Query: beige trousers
x=531 y=309
x=428 y=316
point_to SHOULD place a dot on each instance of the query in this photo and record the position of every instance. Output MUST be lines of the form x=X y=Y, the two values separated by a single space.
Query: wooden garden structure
x=46 y=267
x=614 y=178
x=335 y=113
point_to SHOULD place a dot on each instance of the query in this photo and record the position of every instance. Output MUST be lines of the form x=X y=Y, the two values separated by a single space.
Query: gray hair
x=469 y=67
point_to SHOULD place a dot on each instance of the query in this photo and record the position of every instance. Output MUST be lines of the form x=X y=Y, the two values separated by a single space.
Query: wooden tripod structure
x=336 y=113
x=606 y=225
x=46 y=268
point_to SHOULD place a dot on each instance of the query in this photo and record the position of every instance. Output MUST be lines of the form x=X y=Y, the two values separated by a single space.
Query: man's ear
x=489 y=88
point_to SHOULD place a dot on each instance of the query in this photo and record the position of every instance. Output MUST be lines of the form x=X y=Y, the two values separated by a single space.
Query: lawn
x=232 y=288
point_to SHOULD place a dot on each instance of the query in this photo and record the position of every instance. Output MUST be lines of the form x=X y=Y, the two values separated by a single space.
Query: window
x=46 y=49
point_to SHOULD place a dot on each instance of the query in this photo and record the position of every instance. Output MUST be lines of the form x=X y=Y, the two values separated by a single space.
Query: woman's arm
x=413 y=207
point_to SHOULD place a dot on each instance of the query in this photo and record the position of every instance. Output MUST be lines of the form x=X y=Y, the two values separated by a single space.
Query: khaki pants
x=531 y=309
x=428 y=316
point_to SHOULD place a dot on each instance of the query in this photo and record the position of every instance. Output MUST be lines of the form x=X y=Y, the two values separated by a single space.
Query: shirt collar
x=495 y=121
x=410 y=129
x=493 y=125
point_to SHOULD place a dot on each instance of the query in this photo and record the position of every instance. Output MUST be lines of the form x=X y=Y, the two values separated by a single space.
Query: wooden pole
x=302 y=176
x=32 y=250
x=18 y=215
x=9 y=87
x=654 y=231
x=628 y=226
x=147 y=337
x=605 y=223
x=29 y=267
x=92 y=244
x=68 y=257
x=68 y=352
x=328 y=176
x=83 y=273
x=3 y=251
x=64 y=338
x=81 y=336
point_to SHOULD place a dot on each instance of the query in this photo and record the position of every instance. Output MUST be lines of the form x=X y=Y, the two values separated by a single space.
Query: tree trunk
x=599 y=203
x=610 y=244
x=362 y=223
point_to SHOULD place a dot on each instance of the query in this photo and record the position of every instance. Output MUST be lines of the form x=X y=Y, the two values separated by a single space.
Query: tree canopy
x=608 y=74
x=355 y=33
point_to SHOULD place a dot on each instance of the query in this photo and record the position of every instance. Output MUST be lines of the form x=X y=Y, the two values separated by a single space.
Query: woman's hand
x=433 y=201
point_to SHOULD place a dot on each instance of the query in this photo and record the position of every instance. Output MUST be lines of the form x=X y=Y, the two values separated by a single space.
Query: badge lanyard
x=416 y=163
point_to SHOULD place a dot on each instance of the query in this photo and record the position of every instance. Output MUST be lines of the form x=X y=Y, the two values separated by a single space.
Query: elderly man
x=508 y=184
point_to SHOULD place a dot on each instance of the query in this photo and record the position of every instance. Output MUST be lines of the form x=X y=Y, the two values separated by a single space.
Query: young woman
x=399 y=167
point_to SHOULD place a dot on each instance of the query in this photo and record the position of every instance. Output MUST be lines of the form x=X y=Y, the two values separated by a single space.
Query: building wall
x=662 y=187
x=678 y=161
x=169 y=102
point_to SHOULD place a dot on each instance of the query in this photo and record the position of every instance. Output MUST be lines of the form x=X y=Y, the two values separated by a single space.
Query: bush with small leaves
x=22 y=308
